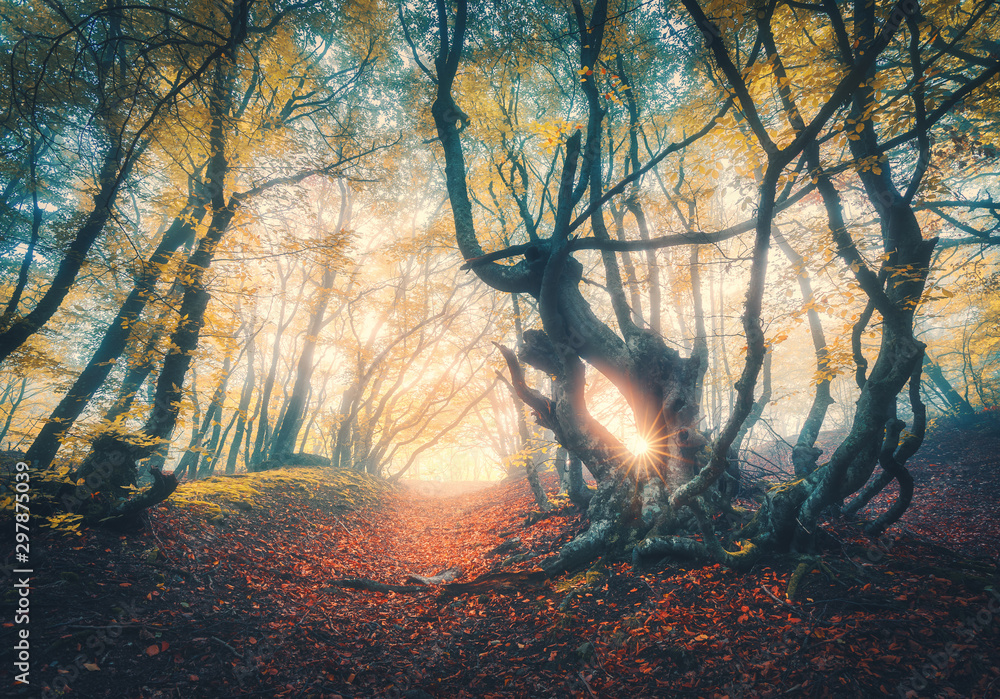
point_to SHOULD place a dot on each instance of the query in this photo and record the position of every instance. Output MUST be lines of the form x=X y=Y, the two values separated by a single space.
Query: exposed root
x=581 y=550
x=163 y=486
x=443 y=576
x=495 y=582
x=372 y=586
x=800 y=572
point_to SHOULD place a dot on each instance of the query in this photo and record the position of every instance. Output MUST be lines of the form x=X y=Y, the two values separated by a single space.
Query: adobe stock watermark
x=919 y=680
x=882 y=546
x=253 y=660
x=22 y=573
x=98 y=642
x=938 y=661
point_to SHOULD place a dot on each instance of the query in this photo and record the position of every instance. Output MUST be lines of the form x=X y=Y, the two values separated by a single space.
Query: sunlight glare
x=639 y=446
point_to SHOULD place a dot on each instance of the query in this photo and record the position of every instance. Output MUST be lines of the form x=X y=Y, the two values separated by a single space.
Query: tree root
x=488 y=582
x=442 y=576
x=372 y=586
x=580 y=551
x=800 y=572
x=496 y=582
x=125 y=512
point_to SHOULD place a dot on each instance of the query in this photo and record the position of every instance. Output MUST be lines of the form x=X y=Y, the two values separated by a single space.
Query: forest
x=596 y=348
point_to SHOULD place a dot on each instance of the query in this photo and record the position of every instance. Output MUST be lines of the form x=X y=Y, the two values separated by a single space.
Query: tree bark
x=213 y=414
x=804 y=454
x=284 y=441
x=956 y=402
x=245 y=397
x=652 y=506
x=47 y=443
x=113 y=171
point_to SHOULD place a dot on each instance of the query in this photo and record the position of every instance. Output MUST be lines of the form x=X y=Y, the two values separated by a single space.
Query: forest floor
x=227 y=593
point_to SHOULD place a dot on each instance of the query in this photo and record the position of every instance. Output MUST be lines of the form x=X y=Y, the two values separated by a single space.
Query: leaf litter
x=229 y=592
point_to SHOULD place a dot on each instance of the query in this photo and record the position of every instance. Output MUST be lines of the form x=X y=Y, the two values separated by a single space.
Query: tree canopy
x=647 y=239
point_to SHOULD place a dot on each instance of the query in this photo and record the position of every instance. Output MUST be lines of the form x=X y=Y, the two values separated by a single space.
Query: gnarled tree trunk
x=649 y=505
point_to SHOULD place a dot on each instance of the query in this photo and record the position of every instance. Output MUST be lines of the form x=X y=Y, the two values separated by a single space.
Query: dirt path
x=244 y=608
x=421 y=535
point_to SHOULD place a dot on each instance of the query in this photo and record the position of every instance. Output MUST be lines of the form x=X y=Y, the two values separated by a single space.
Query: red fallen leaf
x=152 y=650
x=193 y=678
x=164 y=645
x=350 y=678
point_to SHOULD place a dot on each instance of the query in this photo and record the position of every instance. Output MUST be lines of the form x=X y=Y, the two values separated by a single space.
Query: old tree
x=830 y=114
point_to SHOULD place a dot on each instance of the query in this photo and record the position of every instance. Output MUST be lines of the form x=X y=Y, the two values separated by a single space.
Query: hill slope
x=231 y=592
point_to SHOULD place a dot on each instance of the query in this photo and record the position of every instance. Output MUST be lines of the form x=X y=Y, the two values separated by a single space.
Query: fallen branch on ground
x=372 y=586
x=496 y=582
x=488 y=582
x=443 y=576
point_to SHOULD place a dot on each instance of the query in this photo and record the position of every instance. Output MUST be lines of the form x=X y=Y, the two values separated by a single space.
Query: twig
x=70 y=623
x=775 y=598
x=349 y=532
x=163 y=547
x=587 y=685
x=304 y=616
x=234 y=651
x=171 y=569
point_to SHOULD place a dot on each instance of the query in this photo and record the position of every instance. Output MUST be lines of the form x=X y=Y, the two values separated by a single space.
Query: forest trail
x=422 y=535
x=203 y=604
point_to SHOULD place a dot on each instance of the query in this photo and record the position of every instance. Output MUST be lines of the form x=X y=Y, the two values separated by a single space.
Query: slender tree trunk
x=284 y=441
x=525 y=446
x=114 y=455
x=213 y=415
x=112 y=173
x=47 y=443
x=342 y=444
x=36 y=225
x=215 y=447
x=634 y=203
x=245 y=397
x=635 y=298
x=804 y=454
x=263 y=423
x=956 y=402
x=12 y=405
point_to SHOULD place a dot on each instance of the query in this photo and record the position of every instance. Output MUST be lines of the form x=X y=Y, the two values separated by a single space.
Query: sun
x=639 y=446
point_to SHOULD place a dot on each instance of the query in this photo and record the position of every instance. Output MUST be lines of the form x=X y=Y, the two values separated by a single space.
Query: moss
x=800 y=571
x=218 y=494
